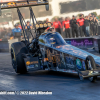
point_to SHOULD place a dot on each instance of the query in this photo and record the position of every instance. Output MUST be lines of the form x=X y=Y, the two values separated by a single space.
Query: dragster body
x=61 y=56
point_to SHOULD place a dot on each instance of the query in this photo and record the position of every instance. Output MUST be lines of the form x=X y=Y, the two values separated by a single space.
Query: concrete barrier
x=6 y=45
x=82 y=42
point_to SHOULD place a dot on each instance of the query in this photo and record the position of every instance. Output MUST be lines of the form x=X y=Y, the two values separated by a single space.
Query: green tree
x=95 y=13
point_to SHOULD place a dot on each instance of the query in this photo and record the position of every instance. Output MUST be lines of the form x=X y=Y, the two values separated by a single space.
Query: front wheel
x=90 y=65
x=17 y=49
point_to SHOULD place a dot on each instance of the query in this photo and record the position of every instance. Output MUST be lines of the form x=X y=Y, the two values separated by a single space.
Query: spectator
x=89 y=15
x=74 y=26
x=95 y=26
x=66 y=28
x=87 y=27
x=81 y=25
x=57 y=25
x=20 y=26
x=47 y=20
x=91 y=25
x=61 y=21
x=16 y=32
x=28 y=26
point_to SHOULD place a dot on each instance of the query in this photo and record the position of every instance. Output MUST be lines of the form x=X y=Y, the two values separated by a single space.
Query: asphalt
x=63 y=86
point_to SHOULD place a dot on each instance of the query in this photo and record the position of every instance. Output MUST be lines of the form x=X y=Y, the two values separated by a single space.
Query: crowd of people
x=16 y=32
x=80 y=26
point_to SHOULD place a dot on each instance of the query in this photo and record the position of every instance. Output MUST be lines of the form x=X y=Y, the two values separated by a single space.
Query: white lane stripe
x=6 y=71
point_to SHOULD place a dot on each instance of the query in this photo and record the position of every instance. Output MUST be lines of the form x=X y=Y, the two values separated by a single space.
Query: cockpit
x=52 y=39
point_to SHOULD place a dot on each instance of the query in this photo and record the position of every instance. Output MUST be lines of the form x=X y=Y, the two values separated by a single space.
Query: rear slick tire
x=90 y=65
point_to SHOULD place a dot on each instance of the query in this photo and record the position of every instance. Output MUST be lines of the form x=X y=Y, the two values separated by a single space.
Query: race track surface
x=63 y=86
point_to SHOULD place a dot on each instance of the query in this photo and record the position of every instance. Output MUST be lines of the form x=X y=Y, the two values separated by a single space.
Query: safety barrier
x=6 y=45
x=85 y=42
x=82 y=42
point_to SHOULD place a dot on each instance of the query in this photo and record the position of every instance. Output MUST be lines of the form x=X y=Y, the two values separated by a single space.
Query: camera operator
x=95 y=26
x=74 y=26
x=17 y=32
x=91 y=25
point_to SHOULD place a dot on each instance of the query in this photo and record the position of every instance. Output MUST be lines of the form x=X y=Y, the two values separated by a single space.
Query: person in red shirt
x=57 y=25
x=81 y=25
x=66 y=28
x=20 y=26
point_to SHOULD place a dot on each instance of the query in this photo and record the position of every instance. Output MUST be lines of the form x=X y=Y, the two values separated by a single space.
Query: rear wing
x=7 y=4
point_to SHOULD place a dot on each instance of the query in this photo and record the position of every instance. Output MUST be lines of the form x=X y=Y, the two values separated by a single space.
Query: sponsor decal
x=30 y=66
x=78 y=64
x=70 y=62
x=83 y=65
x=51 y=39
x=30 y=63
x=11 y=3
